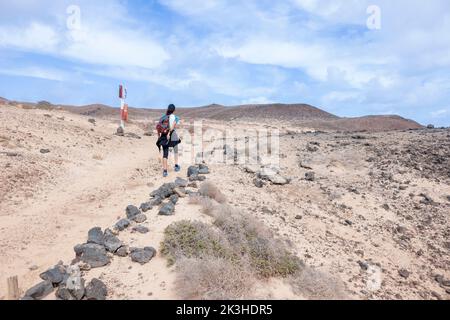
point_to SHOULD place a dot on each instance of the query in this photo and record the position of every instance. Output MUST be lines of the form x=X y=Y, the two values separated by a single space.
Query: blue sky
x=198 y=52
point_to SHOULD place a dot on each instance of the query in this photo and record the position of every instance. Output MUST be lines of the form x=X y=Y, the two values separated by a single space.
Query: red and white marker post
x=123 y=106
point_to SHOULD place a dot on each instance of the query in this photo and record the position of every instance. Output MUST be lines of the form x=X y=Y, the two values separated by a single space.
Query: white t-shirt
x=172 y=120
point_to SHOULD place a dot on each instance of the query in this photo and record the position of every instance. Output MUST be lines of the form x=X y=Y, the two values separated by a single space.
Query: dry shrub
x=317 y=285
x=267 y=255
x=207 y=189
x=186 y=239
x=206 y=203
x=213 y=278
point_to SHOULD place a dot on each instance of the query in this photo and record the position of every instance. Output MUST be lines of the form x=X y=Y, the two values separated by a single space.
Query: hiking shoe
x=165 y=174
x=177 y=168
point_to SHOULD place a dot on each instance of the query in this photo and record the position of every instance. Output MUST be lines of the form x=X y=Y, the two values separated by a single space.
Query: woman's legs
x=165 y=157
x=175 y=155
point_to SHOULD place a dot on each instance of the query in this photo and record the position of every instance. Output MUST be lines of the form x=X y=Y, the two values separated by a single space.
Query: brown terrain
x=355 y=209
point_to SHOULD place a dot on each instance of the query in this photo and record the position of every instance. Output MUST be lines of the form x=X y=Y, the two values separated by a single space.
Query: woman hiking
x=168 y=137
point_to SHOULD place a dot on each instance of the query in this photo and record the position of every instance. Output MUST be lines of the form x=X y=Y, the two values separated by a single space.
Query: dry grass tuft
x=206 y=203
x=207 y=189
x=213 y=279
x=316 y=285
x=268 y=256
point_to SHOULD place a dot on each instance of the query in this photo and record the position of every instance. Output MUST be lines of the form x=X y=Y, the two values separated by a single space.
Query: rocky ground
x=369 y=208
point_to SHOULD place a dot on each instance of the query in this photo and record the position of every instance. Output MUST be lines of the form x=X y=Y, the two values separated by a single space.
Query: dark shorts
x=165 y=145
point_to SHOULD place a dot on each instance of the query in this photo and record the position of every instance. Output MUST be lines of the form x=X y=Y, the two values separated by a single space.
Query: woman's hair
x=170 y=109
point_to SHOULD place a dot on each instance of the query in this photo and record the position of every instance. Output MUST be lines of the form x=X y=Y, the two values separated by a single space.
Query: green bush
x=187 y=239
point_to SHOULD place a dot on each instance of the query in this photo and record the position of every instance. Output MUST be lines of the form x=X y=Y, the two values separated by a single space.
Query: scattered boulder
x=92 y=121
x=442 y=281
x=258 y=183
x=122 y=224
x=311 y=147
x=430 y=126
x=167 y=209
x=40 y=291
x=193 y=171
x=404 y=273
x=272 y=175
x=310 y=176
x=96 y=290
x=141 y=229
x=122 y=251
x=427 y=200
x=181 y=183
x=55 y=275
x=174 y=198
x=156 y=201
x=120 y=132
x=44 y=151
x=305 y=165
x=93 y=254
x=140 y=218
x=364 y=265
x=146 y=206
x=132 y=211
x=279 y=180
x=197 y=178
x=111 y=242
x=165 y=191
x=252 y=168
x=72 y=290
x=142 y=256
x=203 y=169
x=95 y=235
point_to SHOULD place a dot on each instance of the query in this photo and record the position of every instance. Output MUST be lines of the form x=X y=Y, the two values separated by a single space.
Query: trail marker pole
x=123 y=106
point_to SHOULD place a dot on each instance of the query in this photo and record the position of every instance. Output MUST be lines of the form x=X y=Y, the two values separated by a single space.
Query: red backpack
x=163 y=126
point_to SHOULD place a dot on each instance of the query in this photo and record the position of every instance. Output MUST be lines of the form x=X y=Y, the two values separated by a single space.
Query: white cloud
x=114 y=48
x=36 y=72
x=36 y=37
x=193 y=7
x=112 y=41
x=440 y=113
x=342 y=96
x=257 y=100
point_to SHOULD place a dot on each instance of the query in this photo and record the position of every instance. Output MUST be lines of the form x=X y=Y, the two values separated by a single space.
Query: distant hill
x=258 y=111
x=367 y=123
x=301 y=115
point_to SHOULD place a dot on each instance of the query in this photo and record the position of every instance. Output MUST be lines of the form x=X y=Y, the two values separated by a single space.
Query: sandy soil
x=356 y=214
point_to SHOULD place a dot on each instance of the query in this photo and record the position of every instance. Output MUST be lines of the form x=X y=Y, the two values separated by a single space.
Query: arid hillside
x=342 y=215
